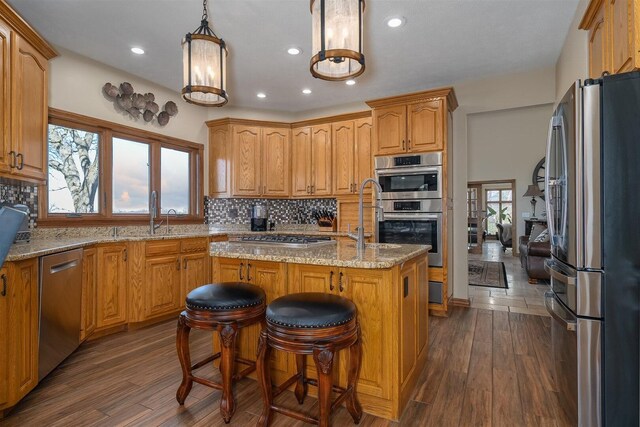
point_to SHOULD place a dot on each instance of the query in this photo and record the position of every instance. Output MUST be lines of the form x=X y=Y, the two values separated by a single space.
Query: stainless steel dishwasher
x=60 y=306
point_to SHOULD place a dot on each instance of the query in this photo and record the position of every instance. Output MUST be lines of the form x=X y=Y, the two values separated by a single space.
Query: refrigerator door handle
x=550 y=267
x=557 y=312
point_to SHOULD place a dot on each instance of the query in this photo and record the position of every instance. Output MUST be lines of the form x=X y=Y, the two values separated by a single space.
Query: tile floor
x=521 y=296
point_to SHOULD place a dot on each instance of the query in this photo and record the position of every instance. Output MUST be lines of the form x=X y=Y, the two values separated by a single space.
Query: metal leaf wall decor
x=138 y=104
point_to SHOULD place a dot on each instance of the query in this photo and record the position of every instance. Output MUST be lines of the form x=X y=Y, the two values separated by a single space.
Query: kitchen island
x=387 y=283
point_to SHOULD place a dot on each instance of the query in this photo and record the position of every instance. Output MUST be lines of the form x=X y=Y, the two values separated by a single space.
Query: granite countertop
x=50 y=243
x=338 y=254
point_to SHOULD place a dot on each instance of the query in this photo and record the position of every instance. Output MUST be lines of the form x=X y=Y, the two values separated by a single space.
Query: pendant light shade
x=337 y=39
x=204 y=57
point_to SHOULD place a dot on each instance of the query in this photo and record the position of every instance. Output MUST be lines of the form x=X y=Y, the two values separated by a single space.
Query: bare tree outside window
x=73 y=170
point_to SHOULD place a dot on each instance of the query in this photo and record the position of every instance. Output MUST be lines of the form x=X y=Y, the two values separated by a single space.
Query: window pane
x=506 y=195
x=507 y=209
x=130 y=177
x=73 y=170
x=493 y=213
x=174 y=180
x=493 y=195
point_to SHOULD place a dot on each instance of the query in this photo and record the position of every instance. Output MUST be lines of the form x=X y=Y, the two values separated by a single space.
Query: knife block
x=328 y=228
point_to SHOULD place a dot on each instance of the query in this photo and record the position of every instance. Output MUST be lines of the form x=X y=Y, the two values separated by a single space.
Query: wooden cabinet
x=111 y=286
x=163 y=293
x=219 y=161
x=614 y=36
x=311 y=167
x=422 y=272
x=195 y=272
x=348 y=215
x=408 y=326
x=276 y=163
x=23 y=110
x=390 y=133
x=89 y=282
x=352 y=161
x=4 y=339
x=246 y=161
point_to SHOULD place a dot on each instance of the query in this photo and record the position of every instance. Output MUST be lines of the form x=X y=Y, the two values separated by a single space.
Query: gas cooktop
x=285 y=241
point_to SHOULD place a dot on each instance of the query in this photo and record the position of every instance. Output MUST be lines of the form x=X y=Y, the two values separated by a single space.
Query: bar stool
x=223 y=307
x=321 y=325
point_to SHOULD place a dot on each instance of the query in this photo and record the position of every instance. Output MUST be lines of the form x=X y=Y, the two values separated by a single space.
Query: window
x=103 y=172
x=499 y=208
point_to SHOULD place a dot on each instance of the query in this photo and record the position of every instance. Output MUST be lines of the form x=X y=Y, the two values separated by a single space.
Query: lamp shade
x=337 y=39
x=533 y=191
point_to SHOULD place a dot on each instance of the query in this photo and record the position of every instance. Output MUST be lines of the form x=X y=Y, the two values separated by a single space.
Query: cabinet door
x=5 y=100
x=621 y=24
x=89 y=279
x=424 y=124
x=343 y=141
x=29 y=109
x=22 y=294
x=195 y=272
x=246 y=161
x=163 y=293
x=422 y=271
x=301 y=162
x=219 y=161
x=408 y=303
x=275 y=175
x=321 y=160
x=598 y=45
x=313 y=278
x=112 y=286
x=4 y=337
x=363 y=160
x=227 y=270
x=372 y=297
x=390 y=130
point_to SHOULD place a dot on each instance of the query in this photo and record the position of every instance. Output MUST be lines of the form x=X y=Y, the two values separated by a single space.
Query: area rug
x=488 y=273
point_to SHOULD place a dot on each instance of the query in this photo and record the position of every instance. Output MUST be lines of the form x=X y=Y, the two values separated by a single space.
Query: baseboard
x=460 y=302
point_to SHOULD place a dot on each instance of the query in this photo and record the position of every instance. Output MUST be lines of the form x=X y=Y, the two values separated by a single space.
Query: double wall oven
x=413 y=206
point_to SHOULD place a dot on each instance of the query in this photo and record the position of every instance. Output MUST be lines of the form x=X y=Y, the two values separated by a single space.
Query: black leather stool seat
x=225 y=296
x=310 y=310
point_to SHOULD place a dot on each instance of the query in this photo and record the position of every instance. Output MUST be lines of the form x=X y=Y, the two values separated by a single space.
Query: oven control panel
x=407 y=161
x=406 y=206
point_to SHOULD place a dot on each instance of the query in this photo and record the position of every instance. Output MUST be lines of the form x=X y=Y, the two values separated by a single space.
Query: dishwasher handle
x=64 y=266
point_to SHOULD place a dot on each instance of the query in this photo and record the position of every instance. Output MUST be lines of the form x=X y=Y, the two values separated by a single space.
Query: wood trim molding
x=331 y=119
x=20 y=25
x=429 y=95
x=460 y=302
x=246 y=122
x=590 y=14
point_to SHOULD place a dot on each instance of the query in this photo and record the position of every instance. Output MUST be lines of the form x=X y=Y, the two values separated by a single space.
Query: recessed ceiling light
x=306 y=91
x=137 y=50
x=350 y=82
x=294 y=51
x=261 y=95
x=395 y=22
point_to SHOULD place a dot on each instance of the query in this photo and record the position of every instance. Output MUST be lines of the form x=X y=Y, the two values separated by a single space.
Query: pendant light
x=204 y=58
x=337 y=39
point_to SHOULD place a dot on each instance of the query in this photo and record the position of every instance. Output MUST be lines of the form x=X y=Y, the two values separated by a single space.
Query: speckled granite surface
x=339 y=254
x=46 y=241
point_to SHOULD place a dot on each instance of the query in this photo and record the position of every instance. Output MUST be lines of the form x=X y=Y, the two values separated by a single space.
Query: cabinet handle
x=125 y=255
x=248 y=272
x=240 y=270
x=409 y=145
x=178 y=264
x=308 y=189
x=331 y=287
x=340 y=283
x=21 y=157
x=184 y=264
x=313 y=189
x=404 y=145
x=4 y=286
x=12 y=165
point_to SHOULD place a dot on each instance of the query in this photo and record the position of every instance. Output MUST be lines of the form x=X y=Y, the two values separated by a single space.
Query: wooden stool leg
x=323 y=357
x=301 y=385
x=182 y=345
x=355 y=359
x=228 y=333
x=264 y=378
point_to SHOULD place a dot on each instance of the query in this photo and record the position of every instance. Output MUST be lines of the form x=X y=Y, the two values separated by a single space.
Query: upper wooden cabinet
x=311 y=168
x=249 y=159
x=352 y=159
x=614 y=36
x=301 y=161
x=414 y=123
x=23 y=105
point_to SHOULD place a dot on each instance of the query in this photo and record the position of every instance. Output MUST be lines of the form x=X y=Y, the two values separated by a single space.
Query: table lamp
x=533 y=191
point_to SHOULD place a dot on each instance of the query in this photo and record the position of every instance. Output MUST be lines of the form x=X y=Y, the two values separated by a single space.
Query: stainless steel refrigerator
x=593 y=190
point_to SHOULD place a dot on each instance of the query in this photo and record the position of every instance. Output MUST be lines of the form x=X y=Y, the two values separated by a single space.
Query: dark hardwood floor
x=485 y=368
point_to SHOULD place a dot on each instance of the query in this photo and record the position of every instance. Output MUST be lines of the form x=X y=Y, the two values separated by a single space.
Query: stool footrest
x=205 y=361
x=207 y=382
x=334 y=387
x=294 y=414
x=285 y=385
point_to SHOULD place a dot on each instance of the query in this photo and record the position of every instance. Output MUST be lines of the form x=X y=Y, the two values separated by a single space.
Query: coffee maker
x=259 y=216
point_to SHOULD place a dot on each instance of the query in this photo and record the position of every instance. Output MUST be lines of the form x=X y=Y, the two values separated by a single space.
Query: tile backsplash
x=282 y=211
x=25 y=194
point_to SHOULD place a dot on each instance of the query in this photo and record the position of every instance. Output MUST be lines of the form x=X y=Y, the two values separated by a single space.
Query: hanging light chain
x=205 y=15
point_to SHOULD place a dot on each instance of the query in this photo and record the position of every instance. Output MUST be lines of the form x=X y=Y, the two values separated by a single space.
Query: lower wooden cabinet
x=89 y=282
x=163 y=293
x=111 y=305
x=195 y=271
x=4 y=338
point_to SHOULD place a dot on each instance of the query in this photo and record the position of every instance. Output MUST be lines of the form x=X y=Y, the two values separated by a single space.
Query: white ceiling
x=442 y=42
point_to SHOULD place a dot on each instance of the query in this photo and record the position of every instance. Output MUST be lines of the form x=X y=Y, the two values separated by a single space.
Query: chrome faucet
x=169 y=213
x=153 y=211
x=359 y=237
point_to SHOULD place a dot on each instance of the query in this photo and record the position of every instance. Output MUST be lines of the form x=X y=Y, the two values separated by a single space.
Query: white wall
x=573 y=61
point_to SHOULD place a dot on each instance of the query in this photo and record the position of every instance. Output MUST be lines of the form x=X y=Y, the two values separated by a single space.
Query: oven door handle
x=390 y=216
x=557 y=312
x=408 y=171
x=551 y=267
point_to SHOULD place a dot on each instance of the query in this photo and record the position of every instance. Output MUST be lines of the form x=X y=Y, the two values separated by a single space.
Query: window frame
x=107 y=131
